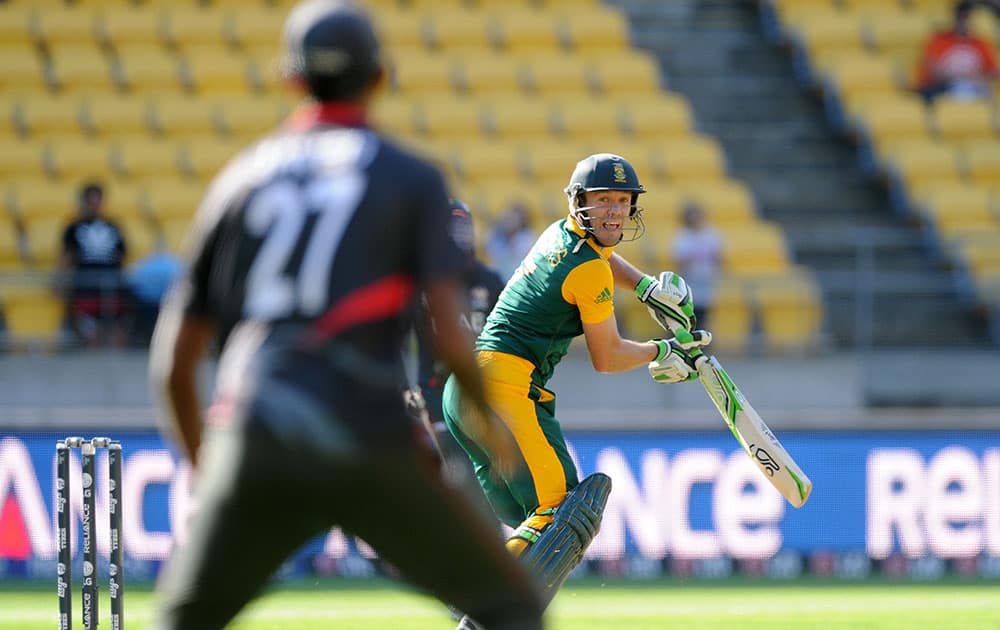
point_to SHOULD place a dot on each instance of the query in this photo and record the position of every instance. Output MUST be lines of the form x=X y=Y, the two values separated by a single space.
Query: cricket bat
x=753 y=434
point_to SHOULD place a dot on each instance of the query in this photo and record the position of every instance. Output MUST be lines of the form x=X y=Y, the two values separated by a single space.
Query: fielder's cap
x=331 y=45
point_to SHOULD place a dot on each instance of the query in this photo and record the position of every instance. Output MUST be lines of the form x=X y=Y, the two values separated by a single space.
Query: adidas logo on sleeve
x=603 y=296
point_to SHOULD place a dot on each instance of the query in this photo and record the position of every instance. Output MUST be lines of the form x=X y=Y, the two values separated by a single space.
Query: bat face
x=753 y=434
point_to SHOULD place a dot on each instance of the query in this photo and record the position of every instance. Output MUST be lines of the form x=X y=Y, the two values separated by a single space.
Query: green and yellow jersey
x=563 y=282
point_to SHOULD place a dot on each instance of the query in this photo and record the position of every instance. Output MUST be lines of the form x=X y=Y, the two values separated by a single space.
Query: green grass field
x=585 y=606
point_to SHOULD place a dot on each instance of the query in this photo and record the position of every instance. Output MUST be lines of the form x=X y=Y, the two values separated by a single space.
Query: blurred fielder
x=308 y=250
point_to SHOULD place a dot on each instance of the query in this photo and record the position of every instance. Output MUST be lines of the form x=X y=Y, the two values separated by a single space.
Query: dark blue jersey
x=308 y=251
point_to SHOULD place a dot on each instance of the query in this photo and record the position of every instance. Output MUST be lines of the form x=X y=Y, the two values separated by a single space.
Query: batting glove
x=678 y=358
x=669 y=301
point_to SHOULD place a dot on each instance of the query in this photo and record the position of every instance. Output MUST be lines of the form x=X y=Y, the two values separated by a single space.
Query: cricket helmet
x=606 y=171
x=331 y=46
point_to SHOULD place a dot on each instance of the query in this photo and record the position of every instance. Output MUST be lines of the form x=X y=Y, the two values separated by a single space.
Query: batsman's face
x=608 y=211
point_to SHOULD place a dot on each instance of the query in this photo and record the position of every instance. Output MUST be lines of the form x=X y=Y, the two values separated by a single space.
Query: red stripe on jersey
x=313 y=115
x=382 y=299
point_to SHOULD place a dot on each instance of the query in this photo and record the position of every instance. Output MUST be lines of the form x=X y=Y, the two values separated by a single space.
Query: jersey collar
x=571 y=226
x=312 y=115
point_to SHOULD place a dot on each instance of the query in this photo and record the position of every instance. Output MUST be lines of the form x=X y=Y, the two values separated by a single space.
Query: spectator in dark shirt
x=93 y=249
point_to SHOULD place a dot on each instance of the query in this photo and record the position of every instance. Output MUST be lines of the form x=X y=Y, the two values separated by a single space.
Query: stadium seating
x=943 y=159
x=153 y=97
x=33 y=315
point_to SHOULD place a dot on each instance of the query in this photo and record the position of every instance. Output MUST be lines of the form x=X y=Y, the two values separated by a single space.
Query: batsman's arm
x=626 y=275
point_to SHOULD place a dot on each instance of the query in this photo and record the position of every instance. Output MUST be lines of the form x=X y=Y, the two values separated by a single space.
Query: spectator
x=697 y=251
x=956 y=62
x=93 y=249
x=149 y=280
x=510 y=240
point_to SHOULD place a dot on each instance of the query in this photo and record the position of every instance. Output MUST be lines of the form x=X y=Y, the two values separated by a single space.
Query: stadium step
x=804 y=175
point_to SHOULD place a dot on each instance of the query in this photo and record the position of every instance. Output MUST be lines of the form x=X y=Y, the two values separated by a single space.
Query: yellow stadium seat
x=76 y=158
x=33 y=316
x=204 y=158
x=15 y=26
x=753 y=249
x=112 y=115
x=492 y=198
x=584 y=119
x=791 y=311
x=440 y=153
x=861 y=75
x=33 y=198
x=657 y=117
x=522 y=30
x=895 y=31
x=257 y=26
x=480 y=162
x=958 y=210
x=594 y=30
x=891 y=120
x=23 y=70
x=175 y=234
x=21 y=158
x=633 y=317
x=725 y=202
x=621 y=76
x=787 y=9
x=982 y=162
x=146 y=159
x=122 y=200
x=644 y=156
x=401 y=29
x=169 y=199
x=183 y=116
x=43 y=237
x=984 y=24
x=450 y=118
x=922 y=163
x=122 y=25
x=39 y=116
x=490 y=74
x=81 y=67
x=149 y=69
x=982 y=253
x=556 y=75
x=958 y=121
x=194 y=26
x=551 y=163
x=248 y=117
x=661 y=214
x=731 y=317
x=394 y=115
x=460 y=30
x=695 y=158
x=823 y=32
x=63 y=25
x=515 y=117
x=10 y=247
x=424 y=74
x=140 y=237
x=215 y=69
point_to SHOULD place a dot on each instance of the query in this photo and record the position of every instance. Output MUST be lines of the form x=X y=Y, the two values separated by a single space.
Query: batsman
x=564 y=288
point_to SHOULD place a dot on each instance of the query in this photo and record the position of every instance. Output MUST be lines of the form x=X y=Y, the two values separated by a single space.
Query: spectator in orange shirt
x=956 y=62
